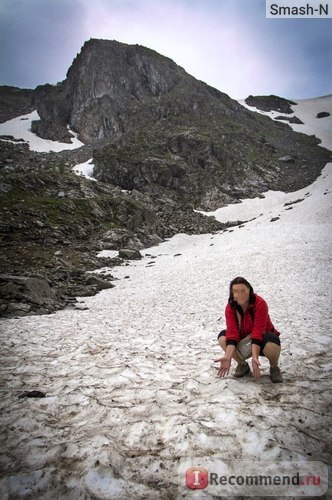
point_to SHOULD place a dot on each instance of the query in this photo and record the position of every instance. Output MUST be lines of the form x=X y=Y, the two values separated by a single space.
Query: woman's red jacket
x=255 y=321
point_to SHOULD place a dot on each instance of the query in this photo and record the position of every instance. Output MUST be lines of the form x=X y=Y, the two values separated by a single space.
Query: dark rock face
x=209 y=163
x=53 y=109
x=105 y=83
x=15 y=102
x=270 y=103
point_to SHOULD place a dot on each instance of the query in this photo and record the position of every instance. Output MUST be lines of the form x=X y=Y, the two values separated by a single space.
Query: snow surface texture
x=129 y=377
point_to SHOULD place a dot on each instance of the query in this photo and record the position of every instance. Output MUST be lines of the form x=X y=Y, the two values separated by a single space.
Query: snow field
x=130 y=382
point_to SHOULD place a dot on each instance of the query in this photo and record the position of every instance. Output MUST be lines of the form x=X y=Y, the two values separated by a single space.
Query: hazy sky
x=229 y=44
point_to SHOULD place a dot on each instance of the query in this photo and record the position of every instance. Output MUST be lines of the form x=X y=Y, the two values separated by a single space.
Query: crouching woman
x=249 y=333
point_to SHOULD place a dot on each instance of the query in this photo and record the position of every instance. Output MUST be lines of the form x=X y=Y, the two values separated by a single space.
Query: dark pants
x=267 y=337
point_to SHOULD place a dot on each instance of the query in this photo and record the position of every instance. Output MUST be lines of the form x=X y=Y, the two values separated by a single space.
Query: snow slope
x=130 y=382
x=20 y=129
x=85 y=170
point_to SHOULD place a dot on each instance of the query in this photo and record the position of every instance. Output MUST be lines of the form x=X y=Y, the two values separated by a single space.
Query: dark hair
x=240 y=281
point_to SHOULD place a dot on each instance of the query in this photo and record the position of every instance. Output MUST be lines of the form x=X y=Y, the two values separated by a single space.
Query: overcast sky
x=229 y=44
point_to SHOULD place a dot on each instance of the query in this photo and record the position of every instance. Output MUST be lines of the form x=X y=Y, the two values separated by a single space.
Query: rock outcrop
x=15 y=102
x=323 y=114
x=47 y=292
x=271 y=103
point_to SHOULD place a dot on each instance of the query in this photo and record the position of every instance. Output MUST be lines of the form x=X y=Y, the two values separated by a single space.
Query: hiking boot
x=275 y=374
x=241 y=370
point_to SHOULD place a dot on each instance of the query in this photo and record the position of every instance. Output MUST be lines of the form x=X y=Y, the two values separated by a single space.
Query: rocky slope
x=53 y=223
x=162 y=144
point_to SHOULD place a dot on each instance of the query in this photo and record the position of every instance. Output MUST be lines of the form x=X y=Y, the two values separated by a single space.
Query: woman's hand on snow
x=225 y=364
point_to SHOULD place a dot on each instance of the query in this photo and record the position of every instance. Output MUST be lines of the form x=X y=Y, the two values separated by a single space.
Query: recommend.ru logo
x=256 y=479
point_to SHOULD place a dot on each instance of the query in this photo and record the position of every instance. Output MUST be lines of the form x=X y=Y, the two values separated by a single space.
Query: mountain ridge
x=162 y=144
x=132 y=97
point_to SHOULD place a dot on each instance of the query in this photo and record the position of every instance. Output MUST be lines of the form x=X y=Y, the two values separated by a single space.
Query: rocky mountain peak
x=165 y=132
x=106 y=80
x=116 y=69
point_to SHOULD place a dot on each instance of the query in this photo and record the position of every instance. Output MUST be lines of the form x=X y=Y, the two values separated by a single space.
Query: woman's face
x=241 y=294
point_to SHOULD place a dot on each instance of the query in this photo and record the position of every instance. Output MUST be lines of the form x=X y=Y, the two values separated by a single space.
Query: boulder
x=323 y=114
x=100 y=283
x=20 y=295
x=129 y=254
x=36 y=290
